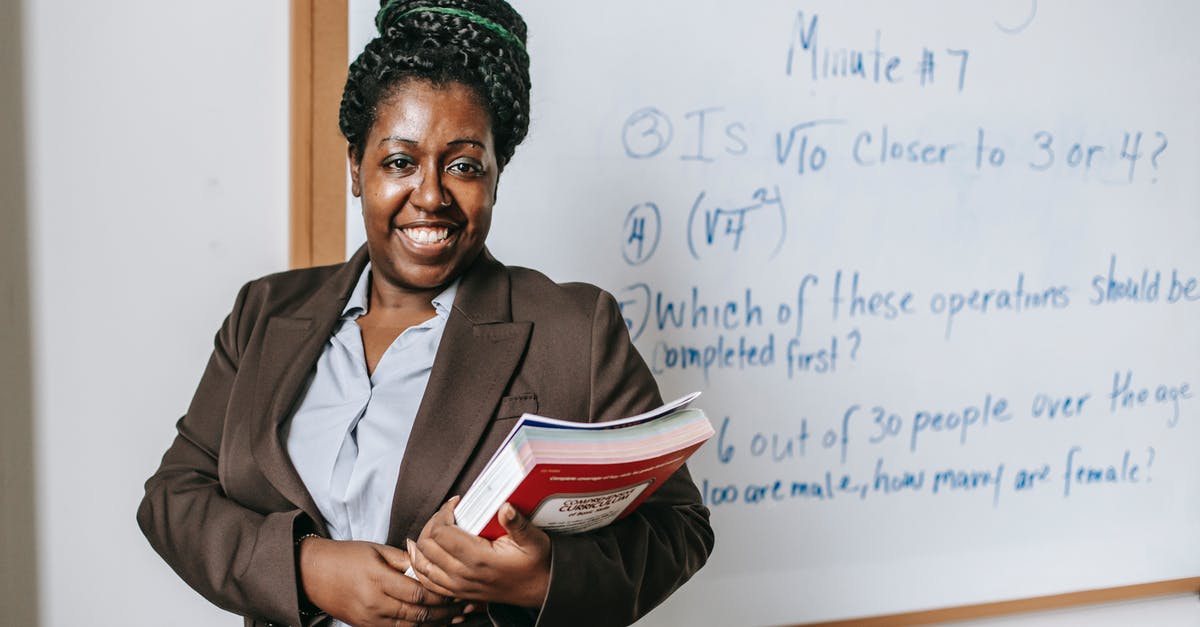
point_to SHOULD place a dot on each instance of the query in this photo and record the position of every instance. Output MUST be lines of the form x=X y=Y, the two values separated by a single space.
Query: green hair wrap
x=504 y=33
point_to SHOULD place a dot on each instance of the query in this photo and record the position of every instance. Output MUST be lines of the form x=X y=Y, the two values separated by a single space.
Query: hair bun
x=431 y=18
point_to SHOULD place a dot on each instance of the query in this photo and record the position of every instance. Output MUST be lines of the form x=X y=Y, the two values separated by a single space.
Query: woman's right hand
x=363 y=584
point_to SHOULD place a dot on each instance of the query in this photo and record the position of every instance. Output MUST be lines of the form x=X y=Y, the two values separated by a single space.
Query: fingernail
x=409 y=543
x=510 y=512
x=457 y=619
x=468 y=608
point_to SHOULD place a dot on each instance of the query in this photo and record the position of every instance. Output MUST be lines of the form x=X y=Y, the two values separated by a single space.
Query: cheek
x=481 y=221
x=372 y=217
x=378 y=207
x=483 y=215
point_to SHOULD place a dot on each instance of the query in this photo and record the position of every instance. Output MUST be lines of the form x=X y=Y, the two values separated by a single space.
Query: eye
x=465 y=167
x=399 y=162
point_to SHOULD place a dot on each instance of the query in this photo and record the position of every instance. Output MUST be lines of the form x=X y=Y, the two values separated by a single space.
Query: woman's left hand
x=513 y=569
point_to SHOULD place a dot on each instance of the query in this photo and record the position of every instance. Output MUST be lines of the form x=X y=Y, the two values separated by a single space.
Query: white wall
x=157 y=183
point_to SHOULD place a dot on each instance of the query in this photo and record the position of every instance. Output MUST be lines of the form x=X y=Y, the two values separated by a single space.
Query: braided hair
x=479 y=43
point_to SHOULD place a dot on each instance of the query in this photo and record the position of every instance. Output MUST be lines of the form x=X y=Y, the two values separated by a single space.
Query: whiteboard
x=935 y=266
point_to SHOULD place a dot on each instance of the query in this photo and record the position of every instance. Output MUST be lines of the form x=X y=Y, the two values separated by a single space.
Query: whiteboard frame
x=319 y=40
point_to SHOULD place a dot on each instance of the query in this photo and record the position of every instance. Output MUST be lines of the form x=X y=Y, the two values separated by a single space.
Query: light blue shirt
x=349 y=433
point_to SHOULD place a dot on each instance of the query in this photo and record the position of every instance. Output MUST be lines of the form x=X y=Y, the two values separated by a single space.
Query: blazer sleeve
x=237 y=558
x=616 y=574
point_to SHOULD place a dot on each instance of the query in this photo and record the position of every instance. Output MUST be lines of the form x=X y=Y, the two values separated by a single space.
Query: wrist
x=537 y=586
x=304 y=559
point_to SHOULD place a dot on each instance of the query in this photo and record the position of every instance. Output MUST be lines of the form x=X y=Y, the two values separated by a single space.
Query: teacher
x=345 y=407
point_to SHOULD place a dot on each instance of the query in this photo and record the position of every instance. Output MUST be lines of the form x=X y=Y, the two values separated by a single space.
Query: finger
x=394 y=557
x=516 y=525
x=403 y=588
x=443 y=517
x=445 y=513
x=435 y=575
x=466 y=547
x=461 y=561
x=424 y=614
x=435 y=570
x=469 y=609
x=469 y=558
x=423 y=571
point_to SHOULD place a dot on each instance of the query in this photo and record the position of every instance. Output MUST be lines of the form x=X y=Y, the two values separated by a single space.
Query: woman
x=343 y=406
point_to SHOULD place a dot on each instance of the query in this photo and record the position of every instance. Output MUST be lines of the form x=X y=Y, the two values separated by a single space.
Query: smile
x=426 y=234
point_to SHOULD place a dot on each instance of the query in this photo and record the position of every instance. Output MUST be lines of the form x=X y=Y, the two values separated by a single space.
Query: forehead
x=419 y=110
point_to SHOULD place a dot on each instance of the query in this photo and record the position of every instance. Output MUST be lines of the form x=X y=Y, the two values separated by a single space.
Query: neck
x=385 y=297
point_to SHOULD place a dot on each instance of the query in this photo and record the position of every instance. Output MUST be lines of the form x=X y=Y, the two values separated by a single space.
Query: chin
x=424 y=278
x=421 y=274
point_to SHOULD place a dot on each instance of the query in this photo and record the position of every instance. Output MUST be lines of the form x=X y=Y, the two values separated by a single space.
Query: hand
x=363 y=584
x=514 y=569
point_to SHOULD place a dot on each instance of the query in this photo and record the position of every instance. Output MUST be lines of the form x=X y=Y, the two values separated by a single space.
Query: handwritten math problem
x=877 y=430
x=785 y=322
x=812 y=147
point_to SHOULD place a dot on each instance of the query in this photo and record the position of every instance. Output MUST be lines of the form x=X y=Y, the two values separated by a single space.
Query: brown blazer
x=226 y=505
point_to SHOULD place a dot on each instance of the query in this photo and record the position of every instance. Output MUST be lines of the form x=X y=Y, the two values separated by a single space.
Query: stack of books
x=571 y=477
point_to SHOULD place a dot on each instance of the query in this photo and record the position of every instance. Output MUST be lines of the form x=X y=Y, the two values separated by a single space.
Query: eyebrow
x=393 y=138
x=472 y=142
x=453 y=142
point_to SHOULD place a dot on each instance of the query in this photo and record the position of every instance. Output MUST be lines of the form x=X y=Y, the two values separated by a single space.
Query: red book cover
x=573 y=498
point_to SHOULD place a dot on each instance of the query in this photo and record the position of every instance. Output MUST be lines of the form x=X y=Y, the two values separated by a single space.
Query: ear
x=352 y=160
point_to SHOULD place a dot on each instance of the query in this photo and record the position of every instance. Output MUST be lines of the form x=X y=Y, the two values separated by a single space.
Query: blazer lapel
x=291 y=347
x=478 y=354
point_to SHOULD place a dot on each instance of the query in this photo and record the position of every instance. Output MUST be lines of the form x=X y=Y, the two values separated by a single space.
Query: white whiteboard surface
x=1053 y=206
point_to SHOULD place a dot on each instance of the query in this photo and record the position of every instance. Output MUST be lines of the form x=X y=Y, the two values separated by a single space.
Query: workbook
x=571 y=477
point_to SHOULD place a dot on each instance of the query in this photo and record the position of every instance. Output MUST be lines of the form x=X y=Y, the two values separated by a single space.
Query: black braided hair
x=443 y=48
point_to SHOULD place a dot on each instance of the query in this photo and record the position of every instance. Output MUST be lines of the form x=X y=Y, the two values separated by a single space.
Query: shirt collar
x=358 y=304
x=445 y=300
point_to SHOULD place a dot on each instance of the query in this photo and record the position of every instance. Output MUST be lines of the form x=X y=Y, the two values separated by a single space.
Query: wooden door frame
x=319 y=34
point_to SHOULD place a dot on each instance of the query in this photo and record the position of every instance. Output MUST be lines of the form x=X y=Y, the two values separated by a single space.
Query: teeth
x=427 y=235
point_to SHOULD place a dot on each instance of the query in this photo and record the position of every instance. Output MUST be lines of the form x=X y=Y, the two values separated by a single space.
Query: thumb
x=514 y=523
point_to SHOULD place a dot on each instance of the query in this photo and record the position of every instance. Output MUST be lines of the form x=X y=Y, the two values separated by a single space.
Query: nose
x=430 y=194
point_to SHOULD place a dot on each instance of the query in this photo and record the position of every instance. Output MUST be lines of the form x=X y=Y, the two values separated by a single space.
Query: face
x=427 y=180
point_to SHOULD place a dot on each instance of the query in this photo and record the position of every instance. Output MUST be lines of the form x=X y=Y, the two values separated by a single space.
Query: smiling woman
x=344 y=405
x=427 y=176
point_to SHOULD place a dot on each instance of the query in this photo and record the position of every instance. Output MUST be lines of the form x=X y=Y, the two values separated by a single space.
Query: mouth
x=429 y=235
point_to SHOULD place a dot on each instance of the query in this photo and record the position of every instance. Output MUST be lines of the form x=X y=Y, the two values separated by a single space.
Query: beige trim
x=1018 y=606
x=320 y=29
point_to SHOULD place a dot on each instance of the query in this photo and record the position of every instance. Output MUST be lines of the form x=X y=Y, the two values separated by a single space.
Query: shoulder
x=295 y=292
x=297 y=280
x=536 y=296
